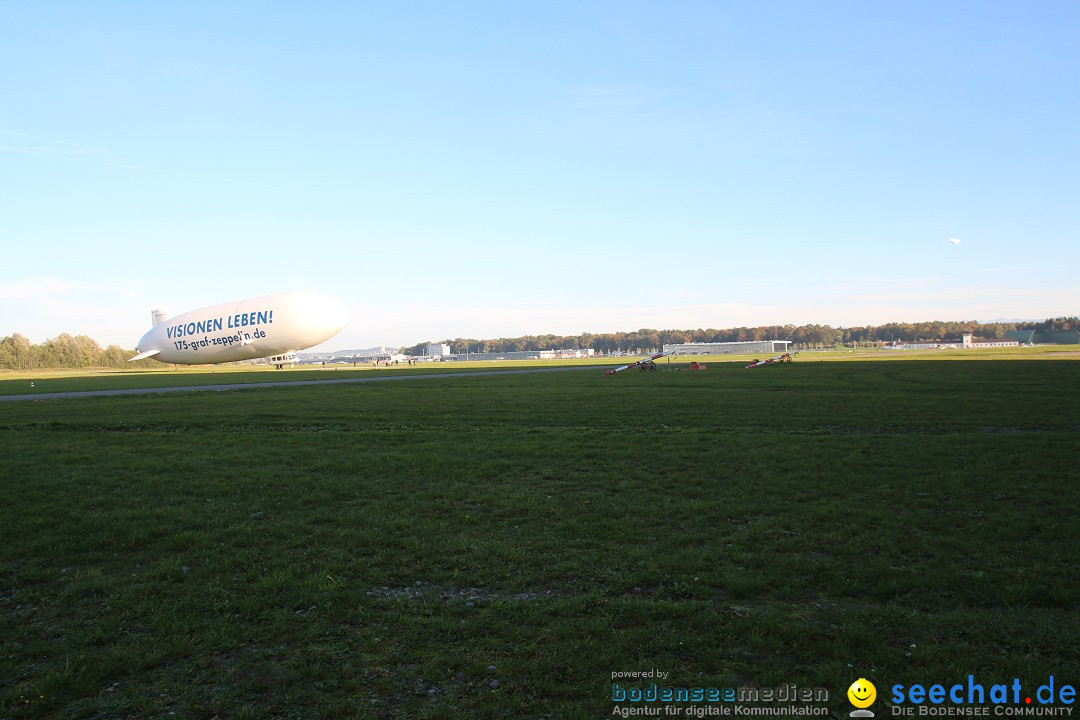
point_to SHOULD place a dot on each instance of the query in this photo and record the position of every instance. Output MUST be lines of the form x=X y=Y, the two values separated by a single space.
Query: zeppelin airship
x=272 y=326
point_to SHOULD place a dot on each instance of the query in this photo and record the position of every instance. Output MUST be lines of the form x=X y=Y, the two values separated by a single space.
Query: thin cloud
x=53 y=140
x=48 y=288
x=98 y=154
x=42 y=288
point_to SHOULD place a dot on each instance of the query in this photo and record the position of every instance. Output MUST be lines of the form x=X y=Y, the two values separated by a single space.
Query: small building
x=437 y=350
x=901 y=345
x=1024 y=337
x=746 y=347
x=970 y=341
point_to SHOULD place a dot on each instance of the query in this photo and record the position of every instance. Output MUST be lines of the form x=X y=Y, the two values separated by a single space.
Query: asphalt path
x=284 y=383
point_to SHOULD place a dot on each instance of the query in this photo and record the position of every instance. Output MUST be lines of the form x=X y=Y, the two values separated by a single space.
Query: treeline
x=63 y=351
x=801 y=336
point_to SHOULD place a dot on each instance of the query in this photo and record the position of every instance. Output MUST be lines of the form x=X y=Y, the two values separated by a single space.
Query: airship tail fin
x=158 y=316
x=144 y=355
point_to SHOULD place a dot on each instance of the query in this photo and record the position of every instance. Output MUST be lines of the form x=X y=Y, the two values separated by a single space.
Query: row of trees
x=802 y=336
x=65 y=351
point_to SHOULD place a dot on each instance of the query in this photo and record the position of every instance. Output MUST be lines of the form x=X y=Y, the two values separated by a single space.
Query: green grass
x=62 y=380
x=371 y=550
x=49 y=381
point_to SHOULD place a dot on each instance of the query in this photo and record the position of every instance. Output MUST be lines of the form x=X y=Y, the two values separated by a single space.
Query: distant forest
x=801 y=336
x=65 y=351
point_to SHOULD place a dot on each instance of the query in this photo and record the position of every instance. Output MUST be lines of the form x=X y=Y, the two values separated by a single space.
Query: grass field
x=498 y=546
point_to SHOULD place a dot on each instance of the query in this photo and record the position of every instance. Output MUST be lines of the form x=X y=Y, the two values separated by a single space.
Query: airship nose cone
x=323 y=315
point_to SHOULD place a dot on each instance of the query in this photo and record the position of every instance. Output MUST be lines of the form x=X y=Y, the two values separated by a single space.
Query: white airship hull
x=246 y=329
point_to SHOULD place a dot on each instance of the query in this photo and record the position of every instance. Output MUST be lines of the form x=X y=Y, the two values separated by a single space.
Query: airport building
x=967 y=341
x=747 y=347
x=525 y=355
x=970 y=341
x=510 y=355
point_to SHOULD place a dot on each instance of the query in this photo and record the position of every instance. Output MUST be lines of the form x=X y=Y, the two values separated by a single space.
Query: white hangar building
x=747 y=347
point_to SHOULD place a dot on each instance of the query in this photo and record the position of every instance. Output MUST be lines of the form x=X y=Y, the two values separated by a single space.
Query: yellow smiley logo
x=862 y=693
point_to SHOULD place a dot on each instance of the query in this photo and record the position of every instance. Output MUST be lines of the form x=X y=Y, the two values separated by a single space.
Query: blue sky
x=476 y=169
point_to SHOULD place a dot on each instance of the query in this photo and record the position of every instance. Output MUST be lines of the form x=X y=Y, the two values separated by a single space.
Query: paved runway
x=285 y=383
